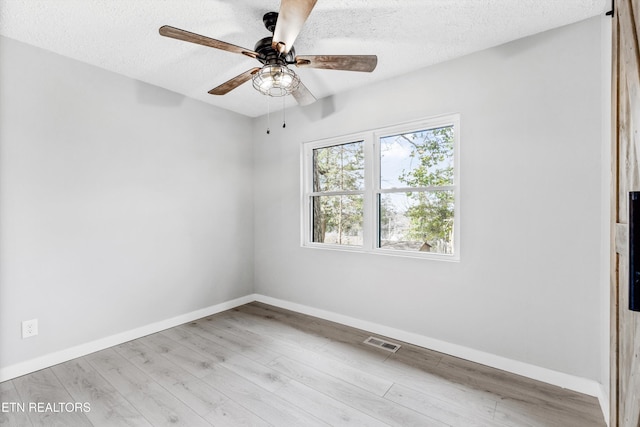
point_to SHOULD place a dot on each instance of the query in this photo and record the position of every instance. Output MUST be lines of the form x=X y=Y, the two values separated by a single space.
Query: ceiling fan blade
x=229 y=85
x=291 y=18
x=366 y=63
x=303 y=96
x=177 y=33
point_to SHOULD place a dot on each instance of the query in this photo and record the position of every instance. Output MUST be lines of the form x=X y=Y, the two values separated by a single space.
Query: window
x=392 y=190
x=338 y=194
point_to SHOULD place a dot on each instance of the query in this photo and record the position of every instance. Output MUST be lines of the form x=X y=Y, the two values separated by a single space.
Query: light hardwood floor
x=259 y=365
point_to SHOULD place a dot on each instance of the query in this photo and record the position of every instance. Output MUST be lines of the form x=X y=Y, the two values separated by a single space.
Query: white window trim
x=372 y=187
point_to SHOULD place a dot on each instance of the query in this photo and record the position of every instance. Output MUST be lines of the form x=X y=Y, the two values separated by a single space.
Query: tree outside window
x=416 y=199
x=338 y=181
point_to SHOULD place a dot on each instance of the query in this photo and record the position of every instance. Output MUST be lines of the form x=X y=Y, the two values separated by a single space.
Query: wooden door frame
x=624 y=30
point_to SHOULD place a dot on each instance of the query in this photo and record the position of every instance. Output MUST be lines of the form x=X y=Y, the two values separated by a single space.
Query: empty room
x=300 y=213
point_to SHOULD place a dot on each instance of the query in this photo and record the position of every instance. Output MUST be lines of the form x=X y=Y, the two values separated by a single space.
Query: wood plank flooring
x=259 y=365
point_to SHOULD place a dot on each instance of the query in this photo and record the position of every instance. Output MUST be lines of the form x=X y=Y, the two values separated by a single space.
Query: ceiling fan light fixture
x=275 y=80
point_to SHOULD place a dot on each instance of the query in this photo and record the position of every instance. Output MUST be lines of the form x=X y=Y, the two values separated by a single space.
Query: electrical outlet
x=29 y=328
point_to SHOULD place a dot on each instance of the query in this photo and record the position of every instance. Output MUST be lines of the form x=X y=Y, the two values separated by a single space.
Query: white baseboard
x=57 y=357
x=581 y=385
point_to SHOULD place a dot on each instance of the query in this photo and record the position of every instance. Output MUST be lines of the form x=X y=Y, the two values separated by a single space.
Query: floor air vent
x=385 y=345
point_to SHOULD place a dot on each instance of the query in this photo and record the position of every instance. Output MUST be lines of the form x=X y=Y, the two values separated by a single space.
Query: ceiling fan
x=276 y=53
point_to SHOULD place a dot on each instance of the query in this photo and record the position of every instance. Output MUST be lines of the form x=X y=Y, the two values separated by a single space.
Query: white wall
x=121 y=204
x=528 y=284
x=605 y=202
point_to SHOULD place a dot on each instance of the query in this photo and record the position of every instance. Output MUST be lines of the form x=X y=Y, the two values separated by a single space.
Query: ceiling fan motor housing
x=268 y=55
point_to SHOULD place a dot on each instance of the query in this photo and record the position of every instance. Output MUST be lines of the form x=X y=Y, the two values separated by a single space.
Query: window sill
x=384 y=252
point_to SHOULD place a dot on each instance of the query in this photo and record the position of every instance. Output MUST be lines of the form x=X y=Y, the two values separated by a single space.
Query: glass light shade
x=275 y=80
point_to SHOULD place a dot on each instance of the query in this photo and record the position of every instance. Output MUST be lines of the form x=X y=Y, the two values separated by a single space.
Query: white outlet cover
x=29 y=328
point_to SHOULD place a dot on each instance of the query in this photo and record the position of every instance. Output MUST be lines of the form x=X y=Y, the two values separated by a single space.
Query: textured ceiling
x=122 y=36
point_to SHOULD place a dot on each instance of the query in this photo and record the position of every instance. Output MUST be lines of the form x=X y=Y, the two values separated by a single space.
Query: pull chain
x=268 y=117
x=284 y=121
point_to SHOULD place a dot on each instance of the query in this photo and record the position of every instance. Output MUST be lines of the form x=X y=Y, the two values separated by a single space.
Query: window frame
x=372 y=187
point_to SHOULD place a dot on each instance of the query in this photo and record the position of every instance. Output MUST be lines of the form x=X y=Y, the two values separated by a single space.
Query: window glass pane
x=339 y=167
x=417 y=159
x=417 y=221
x=337 y=219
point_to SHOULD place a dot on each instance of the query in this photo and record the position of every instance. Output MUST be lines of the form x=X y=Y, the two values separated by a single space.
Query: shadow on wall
x=523 y=46
x=152 y=95
x=320 y=109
